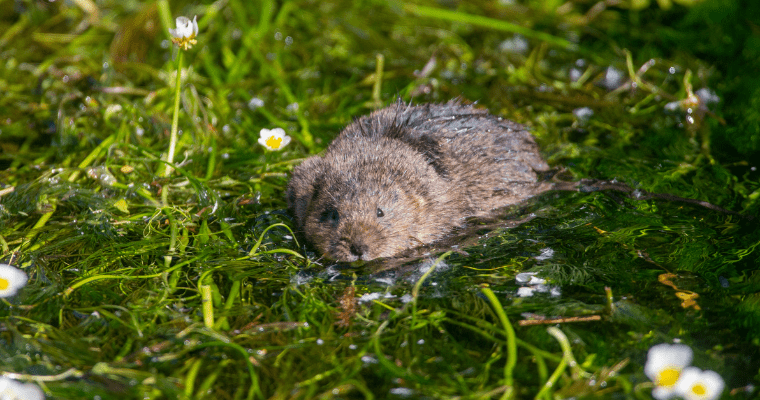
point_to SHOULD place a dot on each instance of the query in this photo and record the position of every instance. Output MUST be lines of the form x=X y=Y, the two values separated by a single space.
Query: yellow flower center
x=185 y=43
x=668 y=377
x=274 y=142
x=699 y=389
x=4 y=283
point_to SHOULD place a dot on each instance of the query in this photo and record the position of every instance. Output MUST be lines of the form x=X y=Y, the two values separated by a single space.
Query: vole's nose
x=358 y=249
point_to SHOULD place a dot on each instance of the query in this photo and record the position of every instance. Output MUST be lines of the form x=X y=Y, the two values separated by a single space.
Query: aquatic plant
x=192 y=284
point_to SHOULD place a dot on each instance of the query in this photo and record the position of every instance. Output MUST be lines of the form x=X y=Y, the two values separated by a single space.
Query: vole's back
x=405 y=176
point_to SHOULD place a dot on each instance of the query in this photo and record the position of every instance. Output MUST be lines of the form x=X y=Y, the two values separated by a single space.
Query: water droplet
x=369 y=360
x=402 y=392
x=612 y=79
x=707 y=96
x=255 y=103
x=673 y=106
x=583 y=114
x=575 y=74
x=516 y=44
x=525 y=292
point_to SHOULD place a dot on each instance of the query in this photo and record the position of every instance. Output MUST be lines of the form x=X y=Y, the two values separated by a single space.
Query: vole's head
x=365 y=206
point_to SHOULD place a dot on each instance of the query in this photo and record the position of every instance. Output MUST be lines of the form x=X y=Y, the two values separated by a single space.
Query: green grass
x=211 y=296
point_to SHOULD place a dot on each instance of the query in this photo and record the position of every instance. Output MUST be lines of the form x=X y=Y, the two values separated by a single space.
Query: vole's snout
x=350 y=249
x=356 y=240
x=358 y=250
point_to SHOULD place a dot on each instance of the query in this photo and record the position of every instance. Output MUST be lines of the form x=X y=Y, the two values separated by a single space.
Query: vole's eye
x=380 y=213
x=329 y=215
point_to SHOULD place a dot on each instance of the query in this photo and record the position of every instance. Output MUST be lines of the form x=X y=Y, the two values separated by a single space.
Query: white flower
x=273 y=139
x=186 y=29
x=184 y=35
x=665 y=362
x=12 y=390
x=11 y=280
x=696 y=384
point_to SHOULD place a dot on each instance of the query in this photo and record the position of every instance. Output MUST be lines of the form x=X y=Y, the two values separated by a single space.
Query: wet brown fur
x=406 y=175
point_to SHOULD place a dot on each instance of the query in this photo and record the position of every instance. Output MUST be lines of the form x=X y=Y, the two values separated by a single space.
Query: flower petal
x=29 y=391
x=696 y=384
x=663 y=393
x=186 y=29
x=11 y=280
x=666 y=356
x=12 y=389
x=265 y=133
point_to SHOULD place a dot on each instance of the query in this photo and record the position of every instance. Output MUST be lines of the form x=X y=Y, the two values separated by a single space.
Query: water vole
x=406 y=175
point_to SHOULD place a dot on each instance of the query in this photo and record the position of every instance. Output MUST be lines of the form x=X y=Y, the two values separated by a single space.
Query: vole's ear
x=301 y=188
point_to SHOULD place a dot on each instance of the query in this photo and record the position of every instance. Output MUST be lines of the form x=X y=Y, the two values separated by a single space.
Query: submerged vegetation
x=157 y=276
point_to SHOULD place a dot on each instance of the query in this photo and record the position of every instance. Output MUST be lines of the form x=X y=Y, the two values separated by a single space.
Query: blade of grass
x=255 y=389
x=485 y=22
x=511 y=343
x=95 y=153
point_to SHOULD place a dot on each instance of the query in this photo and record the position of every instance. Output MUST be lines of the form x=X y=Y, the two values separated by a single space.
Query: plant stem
x=208 y=306
x=221 y=323
x=175 y=128
x=511 y=342
x=173 y=237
